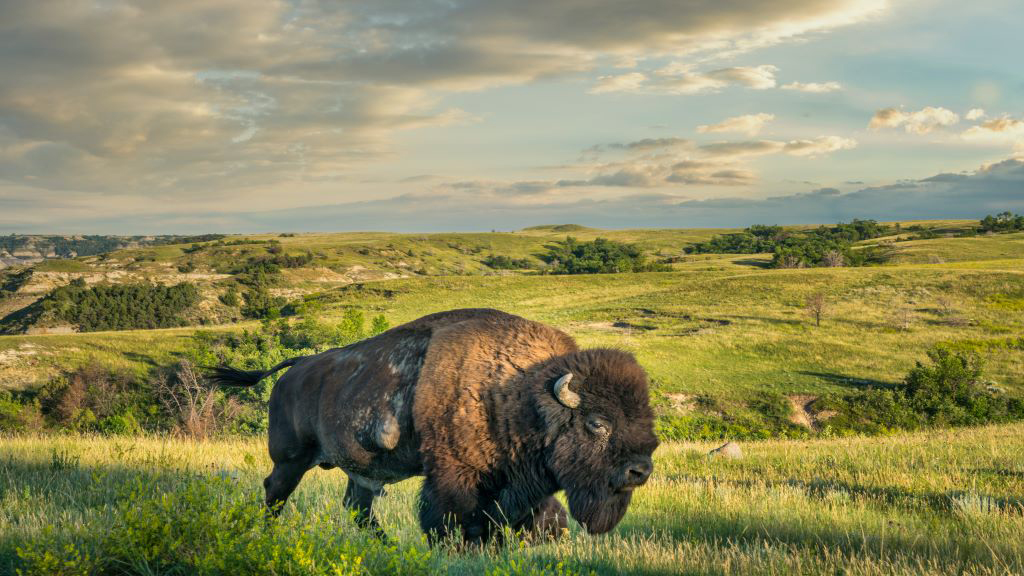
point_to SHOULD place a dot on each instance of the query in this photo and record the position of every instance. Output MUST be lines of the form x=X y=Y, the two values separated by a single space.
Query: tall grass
x=941 y=502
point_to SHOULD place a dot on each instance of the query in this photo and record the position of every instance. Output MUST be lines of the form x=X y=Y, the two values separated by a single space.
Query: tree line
x=120 y=306
x=1002 y=222
x=822 y=246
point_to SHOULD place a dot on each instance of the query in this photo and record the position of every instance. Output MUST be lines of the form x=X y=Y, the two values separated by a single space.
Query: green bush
x=121 y=306
x=948 y=391
x=600 y=256
x=1003 y=222
x=209 y=525
x=823 y=246
x=19 y=415
x=123 y=423
x=502 y=262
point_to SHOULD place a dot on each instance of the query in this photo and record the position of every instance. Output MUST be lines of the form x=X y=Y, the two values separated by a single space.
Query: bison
x=495 y=411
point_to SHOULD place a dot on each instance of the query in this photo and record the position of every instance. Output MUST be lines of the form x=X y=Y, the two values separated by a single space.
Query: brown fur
x=465 y=398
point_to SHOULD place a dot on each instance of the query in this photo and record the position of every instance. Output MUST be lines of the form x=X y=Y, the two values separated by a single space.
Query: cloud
x=665 y=163
x=652 y=144
x=212 y=98
x=749 y=124
x=1004 y=130
x=975 y=114
x=630 y=82
x=805 y=147
x=813 y=87
x=988 y=190
x=681 y=80
x=818 y=146
x=920 y=122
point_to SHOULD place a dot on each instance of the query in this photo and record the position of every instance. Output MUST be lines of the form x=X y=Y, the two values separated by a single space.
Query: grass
x=938 y=502
x=940 y=250
x=942 y=502
x=729 y=332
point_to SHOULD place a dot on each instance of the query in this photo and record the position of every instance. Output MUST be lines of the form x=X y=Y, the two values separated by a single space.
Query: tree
x=816 y=306
x=600 y=256
x=185 y=396
x=833 y=259
x=379 y=324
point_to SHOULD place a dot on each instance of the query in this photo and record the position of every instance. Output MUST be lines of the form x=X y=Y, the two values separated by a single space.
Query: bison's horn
x=567 y=397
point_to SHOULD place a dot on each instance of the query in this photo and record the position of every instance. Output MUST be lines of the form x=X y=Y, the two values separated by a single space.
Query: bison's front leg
x=547 y=521
x=462 y=511
x=448 y=511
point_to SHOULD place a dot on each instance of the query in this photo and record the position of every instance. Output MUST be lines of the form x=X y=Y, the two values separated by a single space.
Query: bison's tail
x=228 y=376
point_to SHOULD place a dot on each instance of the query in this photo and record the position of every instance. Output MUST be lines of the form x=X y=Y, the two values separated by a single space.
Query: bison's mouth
x=599 y=512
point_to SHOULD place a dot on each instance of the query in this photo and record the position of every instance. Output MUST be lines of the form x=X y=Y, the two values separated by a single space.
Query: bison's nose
x=638 y=471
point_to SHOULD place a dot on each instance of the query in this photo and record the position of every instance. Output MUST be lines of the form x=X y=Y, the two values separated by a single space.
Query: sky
x=241 y=116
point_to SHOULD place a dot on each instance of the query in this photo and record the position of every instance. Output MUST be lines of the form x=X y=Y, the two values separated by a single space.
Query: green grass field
x=938 y=502
x=943 y=502
x=728 y=331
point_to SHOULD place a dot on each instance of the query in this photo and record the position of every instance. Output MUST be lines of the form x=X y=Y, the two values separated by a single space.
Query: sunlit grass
x=726 y=332
x=942 y=502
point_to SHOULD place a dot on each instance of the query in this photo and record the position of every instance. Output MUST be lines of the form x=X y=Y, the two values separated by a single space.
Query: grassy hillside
x=732 y=330
x=715 y=333
x=933 y=504
x=724 y=326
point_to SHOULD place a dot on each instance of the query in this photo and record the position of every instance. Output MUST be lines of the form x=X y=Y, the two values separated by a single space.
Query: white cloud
x=1004 y=130
x=818 y=146
x=813 y=87
x=629 y=82
x=975 y=114
x=665 y=163
x=677 y=79
x=749 y=124
x=919 y=122
x=473 y=206
x=811 y=147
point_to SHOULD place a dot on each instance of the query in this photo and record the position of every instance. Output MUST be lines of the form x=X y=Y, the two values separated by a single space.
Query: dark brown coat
x=466 y=398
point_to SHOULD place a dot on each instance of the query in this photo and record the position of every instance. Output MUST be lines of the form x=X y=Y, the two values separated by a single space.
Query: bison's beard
x=598 y=513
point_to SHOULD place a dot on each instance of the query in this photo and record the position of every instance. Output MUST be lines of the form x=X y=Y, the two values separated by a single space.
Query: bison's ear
x=565 y=396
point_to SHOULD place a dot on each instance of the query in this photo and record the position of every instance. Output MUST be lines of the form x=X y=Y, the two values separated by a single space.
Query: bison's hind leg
x=284 y=478
x=359 y=498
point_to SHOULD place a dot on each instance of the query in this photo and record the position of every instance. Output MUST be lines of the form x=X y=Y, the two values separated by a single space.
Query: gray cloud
x=991 y=189
x=213 y=98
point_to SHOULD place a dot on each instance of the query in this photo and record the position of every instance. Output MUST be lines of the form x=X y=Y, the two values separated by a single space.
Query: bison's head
x=599 y=433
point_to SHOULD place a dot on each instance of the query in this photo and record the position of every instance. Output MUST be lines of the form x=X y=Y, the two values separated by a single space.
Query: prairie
x=724 y=327
x=940 y=502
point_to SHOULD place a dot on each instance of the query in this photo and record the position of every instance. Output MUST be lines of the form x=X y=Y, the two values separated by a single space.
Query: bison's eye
x=599 y=426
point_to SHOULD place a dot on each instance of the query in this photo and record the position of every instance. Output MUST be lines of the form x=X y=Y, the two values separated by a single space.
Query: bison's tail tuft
x=228 y=376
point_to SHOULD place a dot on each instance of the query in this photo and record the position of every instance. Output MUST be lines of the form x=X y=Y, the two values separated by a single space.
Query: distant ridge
x=559 y=227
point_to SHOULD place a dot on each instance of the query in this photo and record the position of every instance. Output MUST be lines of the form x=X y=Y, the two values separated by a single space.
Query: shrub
x=948 y=391
x=230 y=297
x=502 y=262
x=19 y=415
x=1003 y=222
x=95 y=398
x=600 y=256
x=824 y=246
x=379 y=324
x=121 y=306
x=209 y=525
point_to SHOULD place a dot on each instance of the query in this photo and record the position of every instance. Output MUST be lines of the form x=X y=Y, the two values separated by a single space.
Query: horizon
x=495 y=230
x=126 y=118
